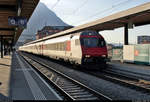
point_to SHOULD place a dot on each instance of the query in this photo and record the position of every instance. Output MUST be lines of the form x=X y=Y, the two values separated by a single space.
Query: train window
x=93 y=42
x=77 y=42
x=102 y=43
x=45 y=47
x=56 y=46
x=53 y=46
x=65 y=45
x=60 y=46
x=48 y=47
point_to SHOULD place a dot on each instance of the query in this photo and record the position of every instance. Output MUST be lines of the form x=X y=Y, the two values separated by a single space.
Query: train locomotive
x=81 y=48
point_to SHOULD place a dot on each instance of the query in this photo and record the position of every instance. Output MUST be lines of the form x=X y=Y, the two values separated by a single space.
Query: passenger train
x=81 y=48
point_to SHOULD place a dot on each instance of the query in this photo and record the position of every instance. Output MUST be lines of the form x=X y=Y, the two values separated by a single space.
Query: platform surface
x=5 y=66
x=21 y=82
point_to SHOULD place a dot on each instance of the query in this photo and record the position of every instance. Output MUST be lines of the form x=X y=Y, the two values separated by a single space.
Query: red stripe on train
x=68 y=47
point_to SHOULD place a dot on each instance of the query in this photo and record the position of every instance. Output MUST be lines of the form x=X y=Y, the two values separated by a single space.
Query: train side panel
x=55 y=48
x=76 y=52
x=63 y=48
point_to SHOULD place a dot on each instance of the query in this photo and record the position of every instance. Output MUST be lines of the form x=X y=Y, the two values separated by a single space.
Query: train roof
x=54 y=36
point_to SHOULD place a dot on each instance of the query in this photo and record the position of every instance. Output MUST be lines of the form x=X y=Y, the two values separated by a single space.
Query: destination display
x=17 y=21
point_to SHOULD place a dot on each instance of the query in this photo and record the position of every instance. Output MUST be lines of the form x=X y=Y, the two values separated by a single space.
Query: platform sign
x=17 y=21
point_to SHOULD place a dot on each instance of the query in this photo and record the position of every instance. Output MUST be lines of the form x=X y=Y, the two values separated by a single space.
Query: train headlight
x=103 y=55
x=87 y=56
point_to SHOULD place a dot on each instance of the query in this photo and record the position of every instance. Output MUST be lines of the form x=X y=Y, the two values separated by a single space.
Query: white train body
x=77 y=48
x=65 y=47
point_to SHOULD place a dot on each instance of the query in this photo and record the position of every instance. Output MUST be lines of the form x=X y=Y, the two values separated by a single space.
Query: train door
x=65 y=47
x=68 y=48
x=36 y=48
x=42 y=48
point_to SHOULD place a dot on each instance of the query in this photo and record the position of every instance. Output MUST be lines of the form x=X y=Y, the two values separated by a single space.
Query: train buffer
x=20 y=82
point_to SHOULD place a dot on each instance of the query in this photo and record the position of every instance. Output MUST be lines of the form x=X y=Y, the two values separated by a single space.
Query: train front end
x=94 y=50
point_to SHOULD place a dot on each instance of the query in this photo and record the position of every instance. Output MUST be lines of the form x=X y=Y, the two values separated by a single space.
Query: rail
x=70 y=88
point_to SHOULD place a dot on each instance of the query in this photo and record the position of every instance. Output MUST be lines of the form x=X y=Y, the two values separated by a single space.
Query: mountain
x=41 y=17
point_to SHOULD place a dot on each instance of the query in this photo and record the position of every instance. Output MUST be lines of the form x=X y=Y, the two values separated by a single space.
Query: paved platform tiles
x=21 y=82
x=5 y=67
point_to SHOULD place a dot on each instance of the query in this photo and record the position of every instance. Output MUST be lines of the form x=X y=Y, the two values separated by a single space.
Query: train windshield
x=92 y=42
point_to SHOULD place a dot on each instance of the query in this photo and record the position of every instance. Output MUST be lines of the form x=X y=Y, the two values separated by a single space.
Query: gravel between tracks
x=142 y=71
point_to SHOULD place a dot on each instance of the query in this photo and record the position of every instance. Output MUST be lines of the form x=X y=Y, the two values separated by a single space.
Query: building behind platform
x=49 y=30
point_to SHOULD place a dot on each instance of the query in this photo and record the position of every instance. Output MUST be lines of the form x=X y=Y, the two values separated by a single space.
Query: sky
x=78 y=12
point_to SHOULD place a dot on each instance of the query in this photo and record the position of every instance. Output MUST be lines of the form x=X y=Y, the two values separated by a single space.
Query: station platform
x=21 y=82
x=5 y=67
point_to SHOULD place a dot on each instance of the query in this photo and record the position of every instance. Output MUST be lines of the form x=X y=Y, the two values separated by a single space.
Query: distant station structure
x=143 y=39
x=49 y=30
x=14 y=15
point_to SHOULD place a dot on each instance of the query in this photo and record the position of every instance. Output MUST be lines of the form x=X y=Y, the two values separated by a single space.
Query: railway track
x=130 y=81
x=70 y=89
x=131 y=73
x=127 y=80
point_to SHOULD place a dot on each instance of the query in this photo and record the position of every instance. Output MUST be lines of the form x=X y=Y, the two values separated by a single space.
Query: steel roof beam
x=7 y=35
x=142 y=23
x=8 y=8
x=7 y=29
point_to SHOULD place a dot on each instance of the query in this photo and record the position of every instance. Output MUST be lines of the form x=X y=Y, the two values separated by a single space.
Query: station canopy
x=14 y=8
x=137 y=16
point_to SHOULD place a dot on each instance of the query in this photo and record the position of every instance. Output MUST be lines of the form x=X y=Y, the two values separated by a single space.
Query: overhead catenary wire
x=80 y=6
x=55 y=4
x=77 y=9
x=103 y=11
